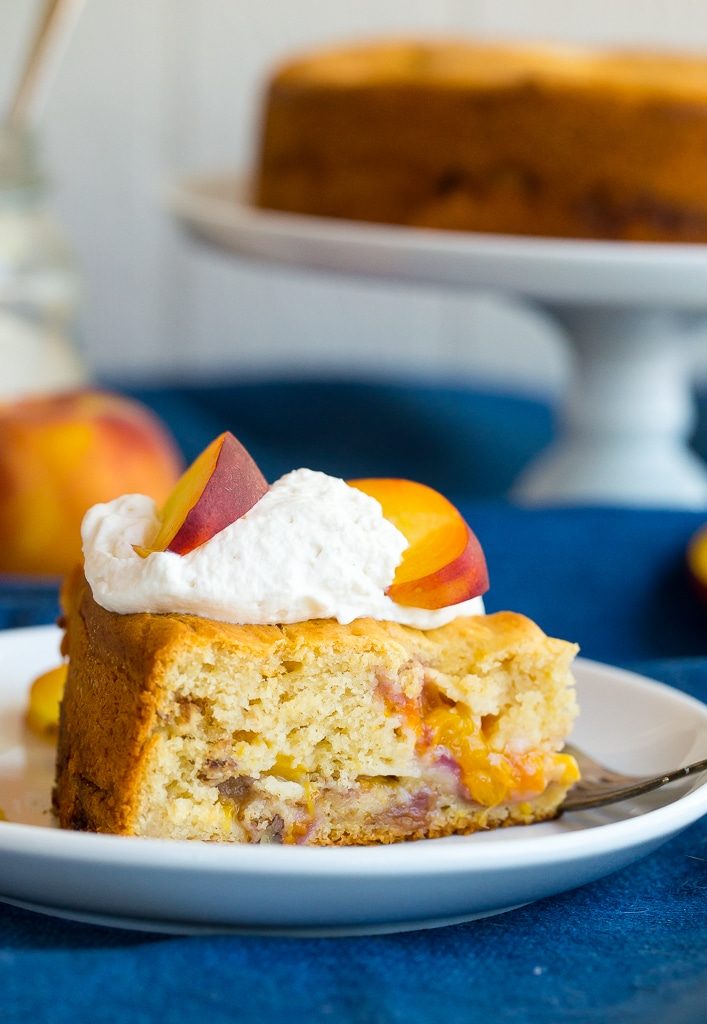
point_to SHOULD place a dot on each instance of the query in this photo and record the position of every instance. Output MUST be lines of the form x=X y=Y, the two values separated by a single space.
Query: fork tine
x=614 y=787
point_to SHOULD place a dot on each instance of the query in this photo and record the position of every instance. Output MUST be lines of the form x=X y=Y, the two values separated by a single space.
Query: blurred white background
x=152 y=88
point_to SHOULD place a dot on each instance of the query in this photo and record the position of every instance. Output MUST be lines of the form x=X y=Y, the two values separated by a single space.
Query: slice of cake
x=304 y=720
x=316 y=732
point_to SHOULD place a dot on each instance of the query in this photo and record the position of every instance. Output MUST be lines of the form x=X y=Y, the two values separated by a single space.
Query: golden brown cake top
x=446 y=63
x=478 y=639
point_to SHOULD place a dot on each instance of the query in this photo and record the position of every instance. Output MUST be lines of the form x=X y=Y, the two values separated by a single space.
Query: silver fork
x=600 y=785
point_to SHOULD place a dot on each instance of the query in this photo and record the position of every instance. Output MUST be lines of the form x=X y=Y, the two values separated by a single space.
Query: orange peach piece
x=219 y=487
x=60 y=454
x=45 y=697
x=697 y=562
x=444 y=563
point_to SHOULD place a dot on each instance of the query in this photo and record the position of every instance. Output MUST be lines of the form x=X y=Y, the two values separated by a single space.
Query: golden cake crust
x=122 y=678
x=544 y=140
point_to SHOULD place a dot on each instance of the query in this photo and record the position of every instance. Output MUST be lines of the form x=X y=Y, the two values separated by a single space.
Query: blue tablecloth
x=632 y=947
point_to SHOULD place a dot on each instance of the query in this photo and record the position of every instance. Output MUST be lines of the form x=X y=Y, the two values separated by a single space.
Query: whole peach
x=60 y=454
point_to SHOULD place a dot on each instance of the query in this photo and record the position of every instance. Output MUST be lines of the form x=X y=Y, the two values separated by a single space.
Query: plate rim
x=373 y=861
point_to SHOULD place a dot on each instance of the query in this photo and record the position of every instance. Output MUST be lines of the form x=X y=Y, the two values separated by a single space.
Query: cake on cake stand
x=626 y=309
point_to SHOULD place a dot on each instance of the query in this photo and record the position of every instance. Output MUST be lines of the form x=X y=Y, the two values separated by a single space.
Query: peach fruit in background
x=59 y=455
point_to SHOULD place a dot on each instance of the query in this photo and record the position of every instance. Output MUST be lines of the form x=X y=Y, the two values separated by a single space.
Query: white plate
x=640 y=274
x=632 y=723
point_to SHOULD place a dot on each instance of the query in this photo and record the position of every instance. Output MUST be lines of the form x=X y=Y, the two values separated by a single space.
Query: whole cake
x=308 y=662
x=541 y=140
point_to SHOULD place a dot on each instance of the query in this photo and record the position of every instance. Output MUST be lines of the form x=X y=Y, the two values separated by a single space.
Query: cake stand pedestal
x=626 y=309
x=627 y=414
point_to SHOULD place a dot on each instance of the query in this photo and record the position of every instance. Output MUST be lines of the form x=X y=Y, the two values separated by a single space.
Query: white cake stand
x=626 y=308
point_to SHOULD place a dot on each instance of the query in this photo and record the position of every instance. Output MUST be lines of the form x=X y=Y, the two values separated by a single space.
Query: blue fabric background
x=632 y=947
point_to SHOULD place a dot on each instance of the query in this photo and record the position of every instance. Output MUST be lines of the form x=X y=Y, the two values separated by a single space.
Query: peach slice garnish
x=219 y=487
x=44 y=699
x=697 y=562
x=444 y=563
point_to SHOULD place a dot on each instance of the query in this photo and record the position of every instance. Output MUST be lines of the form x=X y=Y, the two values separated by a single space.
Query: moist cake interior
x=319 y=733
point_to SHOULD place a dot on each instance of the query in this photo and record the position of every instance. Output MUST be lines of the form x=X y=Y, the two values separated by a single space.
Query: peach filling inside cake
x=486 y=776
x=313 y=732
x=437 y=758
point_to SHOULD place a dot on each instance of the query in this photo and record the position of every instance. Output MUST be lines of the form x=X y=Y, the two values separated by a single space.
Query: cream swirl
x=312 y=547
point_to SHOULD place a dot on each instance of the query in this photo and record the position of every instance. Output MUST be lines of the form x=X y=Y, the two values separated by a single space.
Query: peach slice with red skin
x=444 y=563
x=220 y=486
x=45 y=697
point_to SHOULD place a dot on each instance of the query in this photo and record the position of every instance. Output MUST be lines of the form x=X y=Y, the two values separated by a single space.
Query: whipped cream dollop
x=312 y=547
